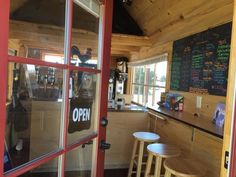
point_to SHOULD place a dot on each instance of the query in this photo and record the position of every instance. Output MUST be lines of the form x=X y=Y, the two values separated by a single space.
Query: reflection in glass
x=84 y=49
x=37 y=29
x=79 y=161
x=34 y=111
x=49 y=169
x=82 y=105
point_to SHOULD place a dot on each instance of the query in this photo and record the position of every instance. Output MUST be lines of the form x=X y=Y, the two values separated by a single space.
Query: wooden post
x=230 y=99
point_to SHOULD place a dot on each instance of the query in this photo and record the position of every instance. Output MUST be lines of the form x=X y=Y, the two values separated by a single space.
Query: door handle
x=88 y=143
x=104 y=146
x=104 y=122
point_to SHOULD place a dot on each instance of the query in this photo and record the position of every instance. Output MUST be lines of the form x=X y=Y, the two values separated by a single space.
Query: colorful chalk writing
x=200 y=62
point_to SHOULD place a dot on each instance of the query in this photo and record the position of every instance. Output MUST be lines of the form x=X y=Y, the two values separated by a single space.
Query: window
x=149 y=80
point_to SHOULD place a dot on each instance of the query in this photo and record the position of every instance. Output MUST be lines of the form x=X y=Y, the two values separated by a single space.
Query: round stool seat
x=159 y=151
x=146 y=136
x=163 y=150
x=184 y=167
x=140 y=139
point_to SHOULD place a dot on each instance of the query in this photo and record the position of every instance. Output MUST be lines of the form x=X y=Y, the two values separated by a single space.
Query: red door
x=54 y=58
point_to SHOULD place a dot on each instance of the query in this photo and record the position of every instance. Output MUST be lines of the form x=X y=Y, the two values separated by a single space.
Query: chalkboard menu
x=200 y=62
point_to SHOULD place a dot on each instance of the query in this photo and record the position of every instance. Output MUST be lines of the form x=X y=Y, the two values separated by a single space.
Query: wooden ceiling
x=161 y=18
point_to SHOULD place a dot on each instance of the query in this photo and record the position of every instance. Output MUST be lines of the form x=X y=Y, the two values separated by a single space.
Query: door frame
x=229 y=141
x=107 y=6
x=233 y=145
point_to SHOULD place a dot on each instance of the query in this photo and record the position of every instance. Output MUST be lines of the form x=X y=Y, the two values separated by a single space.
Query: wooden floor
x=108 y=173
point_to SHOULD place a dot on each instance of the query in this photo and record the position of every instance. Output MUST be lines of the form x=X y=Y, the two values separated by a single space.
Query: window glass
x=150 y=96
x=34 y=111
x=161 y=69
x=142 y=76
x=37 y=27
x=84 y=50
x=150 y=74
x=136 y=75
x=135 y=93
x=148 y=83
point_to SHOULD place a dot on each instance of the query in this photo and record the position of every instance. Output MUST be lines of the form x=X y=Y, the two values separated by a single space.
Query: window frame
x=146 y=86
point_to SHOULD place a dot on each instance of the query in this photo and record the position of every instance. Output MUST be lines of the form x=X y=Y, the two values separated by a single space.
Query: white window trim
x=143 y=63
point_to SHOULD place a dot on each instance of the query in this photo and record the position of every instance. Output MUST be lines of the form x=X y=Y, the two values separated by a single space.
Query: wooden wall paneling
x=209 y=103
x=13 y=45
x=119 y=133
x=207 y=149
x=230 y=95
x=173 y=132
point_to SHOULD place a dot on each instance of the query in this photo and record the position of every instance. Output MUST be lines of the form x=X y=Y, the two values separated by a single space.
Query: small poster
x=7 y=160
x=219 y=115
x=80 y=114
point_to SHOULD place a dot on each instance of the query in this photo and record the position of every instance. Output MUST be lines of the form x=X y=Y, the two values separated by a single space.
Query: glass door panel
x=34 y=112
x=37 y=29
x=39 y=102
x=84 y=49
x=79 y=161
x=83 y=109
x=49 y=169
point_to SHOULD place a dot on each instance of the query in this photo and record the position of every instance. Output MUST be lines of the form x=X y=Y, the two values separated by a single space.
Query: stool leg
x=140 y=159
x=132 y=158
x=149 y=165
x=167 y=173
x=157 y=172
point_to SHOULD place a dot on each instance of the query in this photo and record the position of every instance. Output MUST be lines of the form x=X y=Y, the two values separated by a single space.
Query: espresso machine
x=122 y=76
x=117 y=81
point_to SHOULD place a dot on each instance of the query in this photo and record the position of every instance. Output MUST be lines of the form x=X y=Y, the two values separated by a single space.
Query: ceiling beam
x=47 y=36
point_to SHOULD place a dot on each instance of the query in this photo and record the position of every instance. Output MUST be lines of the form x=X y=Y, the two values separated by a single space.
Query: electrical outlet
x=199 y=102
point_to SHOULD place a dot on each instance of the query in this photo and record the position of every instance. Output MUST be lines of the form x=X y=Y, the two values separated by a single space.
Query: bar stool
x=183 y=168
x=140 y=139
x=159 y=151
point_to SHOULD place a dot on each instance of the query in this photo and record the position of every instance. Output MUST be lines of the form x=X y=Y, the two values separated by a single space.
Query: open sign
x=80 y=114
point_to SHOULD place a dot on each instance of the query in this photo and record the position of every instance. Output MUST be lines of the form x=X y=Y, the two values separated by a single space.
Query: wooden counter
x=129 y=108
x=201 y=123
x=196 y=137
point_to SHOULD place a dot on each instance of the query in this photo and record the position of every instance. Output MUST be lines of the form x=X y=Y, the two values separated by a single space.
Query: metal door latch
x=104 y=146
x=88 y=143
x=226 y=164
x=104 y=122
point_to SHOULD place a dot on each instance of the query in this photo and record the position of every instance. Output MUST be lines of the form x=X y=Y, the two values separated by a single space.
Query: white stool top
x=146 y=136
x=163 y=150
